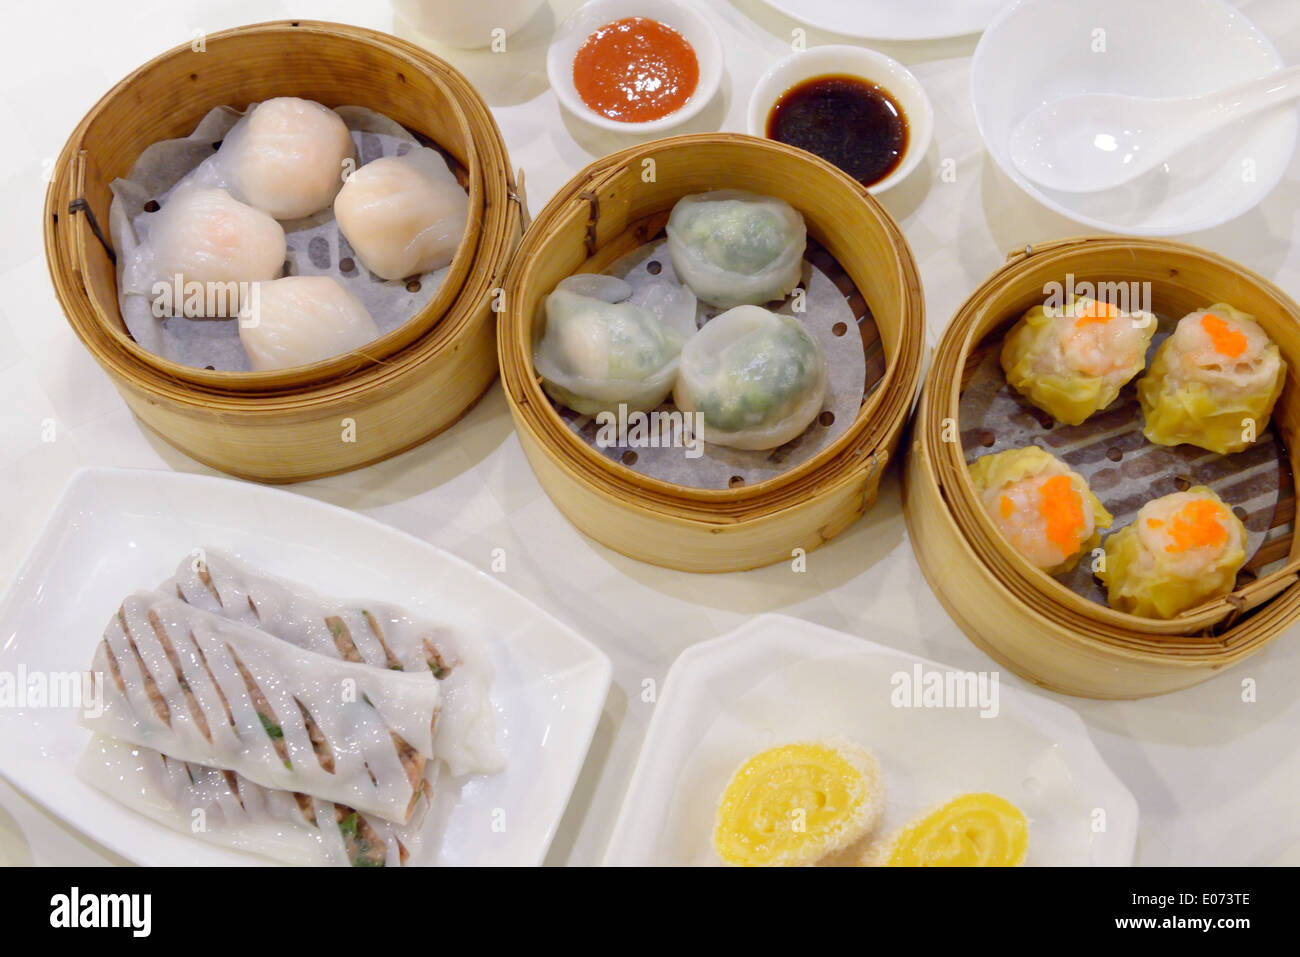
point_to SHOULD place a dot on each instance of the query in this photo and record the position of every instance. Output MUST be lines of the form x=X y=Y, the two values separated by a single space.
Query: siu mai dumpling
x=298 y=320
x=1042 y=507
x=204 y=235
x=403 y=215
x=757 y=378
x=1072 y=361
x=1213 y=383
x=736 y=248
x=286 y=156
x=1182 y=550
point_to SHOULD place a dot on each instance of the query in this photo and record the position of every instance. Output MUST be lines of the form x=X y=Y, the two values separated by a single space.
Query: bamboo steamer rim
x=862 y=446
x=1034 y=591
x=478 y=129
x=1192 y=653
x=493 y=246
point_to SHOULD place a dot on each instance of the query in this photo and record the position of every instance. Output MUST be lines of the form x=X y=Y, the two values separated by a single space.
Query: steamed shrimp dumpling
x=1072 y=361
x=1042 y=507
x=1182 y=550
x=1213 y=383
x=298 y=320
x=403 y=215
x=204 y=235
x=605 y=346
x=736 y=248
x=757 y=377
x=286 y=156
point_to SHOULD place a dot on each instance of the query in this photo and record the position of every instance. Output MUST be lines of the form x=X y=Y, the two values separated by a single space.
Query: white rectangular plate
x=778 y=679
x=117 y=530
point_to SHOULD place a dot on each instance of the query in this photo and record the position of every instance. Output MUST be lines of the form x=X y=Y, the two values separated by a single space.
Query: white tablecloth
x=1216 y=778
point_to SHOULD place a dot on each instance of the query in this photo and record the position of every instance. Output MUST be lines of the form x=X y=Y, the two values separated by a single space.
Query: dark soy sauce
x=850 y=122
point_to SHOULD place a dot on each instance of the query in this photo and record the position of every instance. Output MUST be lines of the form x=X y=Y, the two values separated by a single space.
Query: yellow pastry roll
x=1042 y=507
x=973 y=830
x=1213 y=383
x=1072 y=361
x=798 y=804
x=1182 y=550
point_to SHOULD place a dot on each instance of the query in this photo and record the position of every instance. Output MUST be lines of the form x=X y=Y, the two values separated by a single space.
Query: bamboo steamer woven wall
x=1024 y=618
x=613 y=207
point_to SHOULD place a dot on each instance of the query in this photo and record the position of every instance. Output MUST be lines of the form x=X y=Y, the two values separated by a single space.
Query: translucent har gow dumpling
x=403 y=215
x=204 y=235
x=736 y=248
x=1182 y=550
x=285 y=156
x=606 y=346
x=757 y=377
x=1043 y=508
x=1213 y=383
x=1072 y=361
x=298 y=320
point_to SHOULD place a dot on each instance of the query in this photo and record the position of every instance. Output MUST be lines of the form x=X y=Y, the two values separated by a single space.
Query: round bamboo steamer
x=1024 y=618
x=335 y=415
x=618 y=204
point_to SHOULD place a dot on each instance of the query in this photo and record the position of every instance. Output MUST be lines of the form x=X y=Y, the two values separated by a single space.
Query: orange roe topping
x=1197 y=525
x=1094 y=313
x=1007 y=507
x=1155 y=523
x=1227 y=341
x=1062 y=510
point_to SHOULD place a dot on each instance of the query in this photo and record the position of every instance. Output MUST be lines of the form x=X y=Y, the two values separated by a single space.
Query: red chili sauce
x=635 y=70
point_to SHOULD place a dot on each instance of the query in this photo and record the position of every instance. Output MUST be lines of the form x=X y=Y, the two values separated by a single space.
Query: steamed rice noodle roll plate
x=1072 y=361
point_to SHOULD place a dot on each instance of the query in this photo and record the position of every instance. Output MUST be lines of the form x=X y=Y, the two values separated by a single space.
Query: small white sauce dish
x=868 y=65
x=573 y=33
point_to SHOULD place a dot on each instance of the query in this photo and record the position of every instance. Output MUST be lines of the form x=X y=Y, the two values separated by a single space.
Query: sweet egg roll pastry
x=207 y=690
x=1213 y=383
x=799 y=804
x=373 y=633
x=1181 y=550
x=972 y=830
x=226 y=808
x=1072 y=361
x=1042 y=507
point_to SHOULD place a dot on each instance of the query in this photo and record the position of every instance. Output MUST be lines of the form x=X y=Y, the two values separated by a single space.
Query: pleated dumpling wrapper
x=758 y=378
x=1213 y=383
x=403 y=215
x=299 y=320
x=735 y=248
x=1182 y=550
x=286 y=156
x=799 y=804
x=1042 y=507
x=1072 y=361
x=972 y=830
x=607 y=345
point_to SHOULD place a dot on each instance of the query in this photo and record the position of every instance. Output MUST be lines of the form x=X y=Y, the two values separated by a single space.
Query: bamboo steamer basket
x=610 y=209
x=334 y=415
x=1025 y=619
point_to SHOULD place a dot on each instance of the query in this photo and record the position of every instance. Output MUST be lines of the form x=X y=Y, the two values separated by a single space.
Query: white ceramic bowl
x=844 y=60
x=467 y=24
x=1040 y=50
x=574 y=31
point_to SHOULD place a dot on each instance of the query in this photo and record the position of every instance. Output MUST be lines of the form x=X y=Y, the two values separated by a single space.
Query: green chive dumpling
x=736 y=248
x=1072 y=361
x=1213 y=383
x=605 y=345
x=1182 y=550
x=757 y=377
x=1042 y=507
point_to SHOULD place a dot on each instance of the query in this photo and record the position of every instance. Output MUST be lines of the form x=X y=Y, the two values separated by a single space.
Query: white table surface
x=1216 y=778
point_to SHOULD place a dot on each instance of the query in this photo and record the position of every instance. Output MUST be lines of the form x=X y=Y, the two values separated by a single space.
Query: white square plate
x=116 y=530
x=778 y=679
